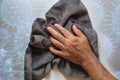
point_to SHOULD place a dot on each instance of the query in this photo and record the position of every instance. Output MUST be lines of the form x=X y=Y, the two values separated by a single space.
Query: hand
x=77 y=50
x=73 y=48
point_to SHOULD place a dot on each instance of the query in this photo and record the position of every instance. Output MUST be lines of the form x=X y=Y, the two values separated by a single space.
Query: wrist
x=89 y=59
x=96 y=70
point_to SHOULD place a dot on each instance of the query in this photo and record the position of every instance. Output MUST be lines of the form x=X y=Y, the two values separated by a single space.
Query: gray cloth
x=38 y=59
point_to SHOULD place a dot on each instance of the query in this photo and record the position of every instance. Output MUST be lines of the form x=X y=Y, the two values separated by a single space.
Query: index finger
x=64 y=31
x=56 y=35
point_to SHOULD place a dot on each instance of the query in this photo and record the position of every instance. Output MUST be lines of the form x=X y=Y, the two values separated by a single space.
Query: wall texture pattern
x=17 y=16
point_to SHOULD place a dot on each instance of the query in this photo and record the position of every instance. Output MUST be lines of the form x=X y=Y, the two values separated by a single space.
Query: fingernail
x=48 y=27
x=74 y=26
x=50 y=48
x=56 y=24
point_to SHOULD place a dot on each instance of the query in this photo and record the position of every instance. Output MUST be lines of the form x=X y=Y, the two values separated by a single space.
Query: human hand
x=74 y=48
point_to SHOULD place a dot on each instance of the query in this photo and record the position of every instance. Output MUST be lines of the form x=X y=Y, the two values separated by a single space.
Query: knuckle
x=66 y=42
x=66 y=48
x=66 y=55
x=69 y=44
x=59 y=37
x=75 y=39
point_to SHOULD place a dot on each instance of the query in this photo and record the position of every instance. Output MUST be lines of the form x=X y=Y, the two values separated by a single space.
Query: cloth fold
x=38 y=59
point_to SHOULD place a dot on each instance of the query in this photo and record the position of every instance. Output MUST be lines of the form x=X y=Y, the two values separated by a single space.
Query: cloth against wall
x=38 y=60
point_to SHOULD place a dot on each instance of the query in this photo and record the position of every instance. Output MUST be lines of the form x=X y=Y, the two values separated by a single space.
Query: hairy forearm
x=96 y=70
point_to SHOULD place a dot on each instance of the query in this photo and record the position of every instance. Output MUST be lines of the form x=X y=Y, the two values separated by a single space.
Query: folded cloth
x=38 y=59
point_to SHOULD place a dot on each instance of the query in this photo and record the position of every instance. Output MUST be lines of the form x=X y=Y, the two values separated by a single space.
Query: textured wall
x=17 y=16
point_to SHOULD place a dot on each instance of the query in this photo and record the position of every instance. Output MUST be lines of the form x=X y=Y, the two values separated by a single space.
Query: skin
x=76 y=49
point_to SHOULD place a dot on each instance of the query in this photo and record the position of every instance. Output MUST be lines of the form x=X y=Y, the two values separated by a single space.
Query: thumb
x=77 y=31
